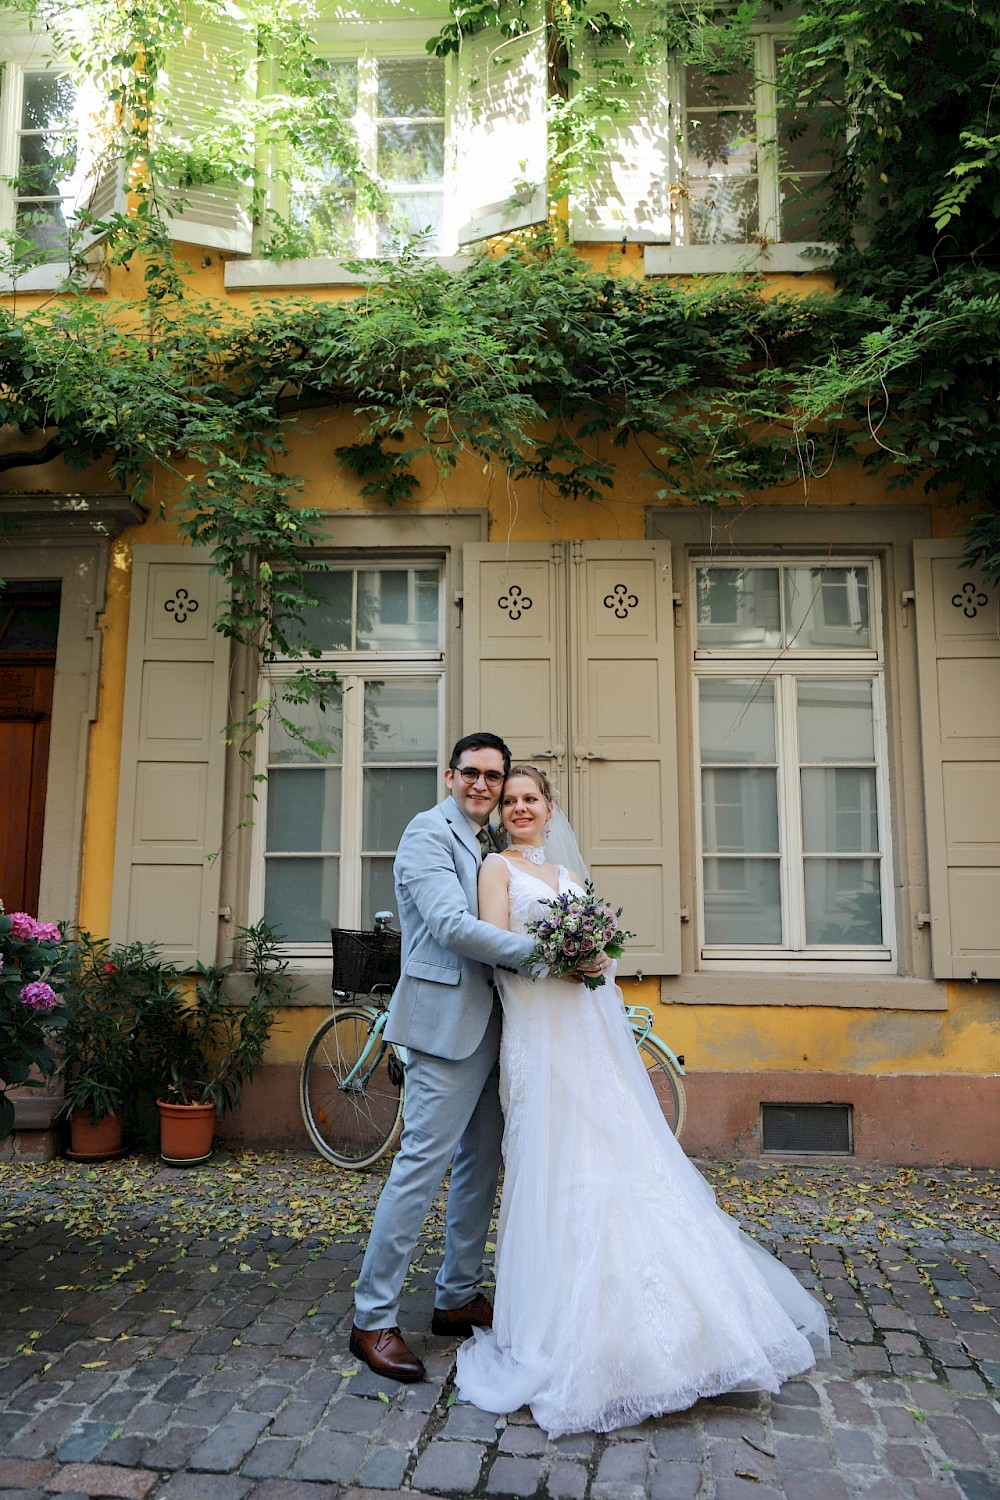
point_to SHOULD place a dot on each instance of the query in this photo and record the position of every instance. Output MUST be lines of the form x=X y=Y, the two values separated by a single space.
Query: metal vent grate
x=805 y=1128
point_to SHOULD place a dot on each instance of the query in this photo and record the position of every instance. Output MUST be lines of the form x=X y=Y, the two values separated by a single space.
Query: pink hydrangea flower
x=23 y=927
x=47 y=932
x=38 y=995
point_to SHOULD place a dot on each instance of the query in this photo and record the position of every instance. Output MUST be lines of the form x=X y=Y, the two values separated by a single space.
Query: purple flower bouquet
x=576 y=930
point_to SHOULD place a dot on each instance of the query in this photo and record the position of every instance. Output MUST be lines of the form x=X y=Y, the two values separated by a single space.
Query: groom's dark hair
x=481 y=740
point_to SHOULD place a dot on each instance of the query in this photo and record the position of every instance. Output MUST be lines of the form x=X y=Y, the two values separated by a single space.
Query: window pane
x=410 y=87
x=722 y=210
x=836 y=722
x=391 y=799
x=303 y=810
x=47 y=101
x=401 y=720
x=721 y=145
x=323 y=728
x=739 y=812
x=302 y=898
x=398 y=609
x=44 y=224
x=377 y=890
x=738 y=607
x=737 y=721
x=715 y=89
x=804 y=141
x=328 y=622
x=410 y=215
x=843 y=901
x=839 y=812
x=410 y=153
x=803 y=204
x=742 y=901
x=827 y=607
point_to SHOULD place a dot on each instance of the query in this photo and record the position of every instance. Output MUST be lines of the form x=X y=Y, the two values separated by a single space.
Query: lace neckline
x=527 y=874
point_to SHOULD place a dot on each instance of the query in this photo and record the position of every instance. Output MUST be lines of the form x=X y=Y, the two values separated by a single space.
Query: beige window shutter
x=210 y=72
x=624 y=739
x=958 y=625
x=568 y=653
x=514 y=649
x=500 y=129
x=172 y=777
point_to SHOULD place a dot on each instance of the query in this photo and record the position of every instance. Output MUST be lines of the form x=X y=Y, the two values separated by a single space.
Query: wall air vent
x=807 y=1129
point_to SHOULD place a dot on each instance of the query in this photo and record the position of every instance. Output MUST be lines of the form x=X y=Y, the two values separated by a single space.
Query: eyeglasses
x=470 y=776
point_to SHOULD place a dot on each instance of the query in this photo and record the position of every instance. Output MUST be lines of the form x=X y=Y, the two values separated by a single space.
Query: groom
x=446 y=1015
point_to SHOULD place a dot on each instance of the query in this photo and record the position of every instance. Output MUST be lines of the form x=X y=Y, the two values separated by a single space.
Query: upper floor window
x=40 y=168
x=750 y=169
x=794 y=848
x=397 y=109
x=339 y=793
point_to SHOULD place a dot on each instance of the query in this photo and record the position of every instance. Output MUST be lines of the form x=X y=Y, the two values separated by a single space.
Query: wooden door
x=25 y=717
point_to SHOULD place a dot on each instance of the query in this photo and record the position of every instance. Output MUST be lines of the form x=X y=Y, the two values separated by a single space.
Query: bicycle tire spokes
x=351 y=1089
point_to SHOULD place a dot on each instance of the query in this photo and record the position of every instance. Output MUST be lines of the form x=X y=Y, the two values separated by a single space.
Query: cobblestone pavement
x=171 y=1335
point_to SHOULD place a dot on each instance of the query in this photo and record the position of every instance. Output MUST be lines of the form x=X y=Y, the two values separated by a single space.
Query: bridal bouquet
x=576 y=930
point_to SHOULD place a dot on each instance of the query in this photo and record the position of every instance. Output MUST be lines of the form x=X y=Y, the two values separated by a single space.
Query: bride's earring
x=548 y=828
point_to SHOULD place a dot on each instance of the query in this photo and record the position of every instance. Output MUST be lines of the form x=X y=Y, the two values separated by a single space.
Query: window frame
x=763 y=251
x=365 y=43
x=786 y=667
x=353 y=669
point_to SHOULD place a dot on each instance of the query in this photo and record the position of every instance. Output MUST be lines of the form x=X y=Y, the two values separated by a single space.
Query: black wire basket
x=364 y=961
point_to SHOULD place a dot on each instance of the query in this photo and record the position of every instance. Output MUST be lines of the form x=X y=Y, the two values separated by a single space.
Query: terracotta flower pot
x=90 y=1142
x=186 y=1131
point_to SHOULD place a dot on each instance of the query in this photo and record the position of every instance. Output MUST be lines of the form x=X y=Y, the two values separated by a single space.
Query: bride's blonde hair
x=538 y=777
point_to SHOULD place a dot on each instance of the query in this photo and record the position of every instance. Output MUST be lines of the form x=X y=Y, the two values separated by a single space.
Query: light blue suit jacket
x=444 y=999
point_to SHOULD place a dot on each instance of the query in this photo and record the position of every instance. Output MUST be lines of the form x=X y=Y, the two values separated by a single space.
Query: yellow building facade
x=775 y=727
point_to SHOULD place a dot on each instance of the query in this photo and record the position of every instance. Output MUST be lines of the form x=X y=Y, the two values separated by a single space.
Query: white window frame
x=784 y=667
x=17 y=61
x=767 y=250
x=353 y=668
x=365 y=44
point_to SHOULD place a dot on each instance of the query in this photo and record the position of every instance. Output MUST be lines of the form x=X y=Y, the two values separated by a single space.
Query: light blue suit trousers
x=445 y=1014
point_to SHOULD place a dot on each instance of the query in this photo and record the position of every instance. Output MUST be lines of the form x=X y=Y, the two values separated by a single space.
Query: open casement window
x=397 y=100
x=698 y=164
x=569 y=654
x=958 y=639
x=203 y=80
x=171 y=784
x=336 y=800
x=794 y=828
x=501 y=130
x=44 y=157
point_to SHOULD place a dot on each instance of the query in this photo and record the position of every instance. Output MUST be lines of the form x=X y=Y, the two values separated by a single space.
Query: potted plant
x=200 y=1054
x=106 y=990
x=32 y=967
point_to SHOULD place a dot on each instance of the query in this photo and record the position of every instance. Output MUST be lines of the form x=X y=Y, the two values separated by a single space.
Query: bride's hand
x=592 y=970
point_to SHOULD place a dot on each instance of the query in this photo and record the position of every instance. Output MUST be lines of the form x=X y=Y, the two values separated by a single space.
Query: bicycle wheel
x=352 y=1123
x=668 y=1085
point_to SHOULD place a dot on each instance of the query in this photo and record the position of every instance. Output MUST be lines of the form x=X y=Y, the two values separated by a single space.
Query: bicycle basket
x=364 y=960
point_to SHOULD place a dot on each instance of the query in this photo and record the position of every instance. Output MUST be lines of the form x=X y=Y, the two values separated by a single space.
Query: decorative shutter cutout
x=627 y=192
x=172 y=777
x=958 y=624
x=501 y=130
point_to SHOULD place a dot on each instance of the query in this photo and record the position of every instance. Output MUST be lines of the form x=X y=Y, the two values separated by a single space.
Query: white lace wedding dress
x=622 y=1289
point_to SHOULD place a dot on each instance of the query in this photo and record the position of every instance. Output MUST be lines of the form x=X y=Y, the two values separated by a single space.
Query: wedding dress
x=622 y=1289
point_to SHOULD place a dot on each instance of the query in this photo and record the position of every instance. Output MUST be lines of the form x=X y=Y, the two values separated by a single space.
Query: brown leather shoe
x=384 y=1351
x=458 y=1322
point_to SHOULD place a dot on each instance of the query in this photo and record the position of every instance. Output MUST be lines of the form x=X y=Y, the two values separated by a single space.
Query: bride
x=622 y=1289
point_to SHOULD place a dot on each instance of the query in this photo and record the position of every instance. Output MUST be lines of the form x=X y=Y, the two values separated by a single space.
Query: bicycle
x=353 y=1082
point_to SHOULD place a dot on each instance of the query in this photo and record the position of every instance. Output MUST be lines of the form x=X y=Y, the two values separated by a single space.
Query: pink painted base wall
x=923 y=1120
